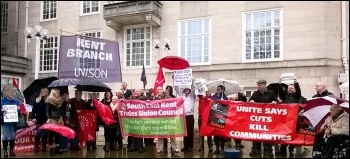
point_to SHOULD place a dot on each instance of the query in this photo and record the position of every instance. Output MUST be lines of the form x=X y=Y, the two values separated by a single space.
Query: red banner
x=25 y=139
x=273 y=123
x=104 y=112
x=87 y=125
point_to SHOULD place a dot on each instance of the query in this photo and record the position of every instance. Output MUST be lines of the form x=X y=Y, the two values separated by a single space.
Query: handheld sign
x=10 y=114
x=183 y=77
x=287 y=78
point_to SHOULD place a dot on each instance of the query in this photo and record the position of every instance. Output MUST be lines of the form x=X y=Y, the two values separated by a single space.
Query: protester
x=39 y=117
x=119 y=138
x=107 y=101
x=111 y=131
x=77 y=104
x=321 y=90
x=54 y=116
x=201 y=107
x=188 y=95
x=137 y=143
x=8 y=128
x=334 y=130
x=127 y=94
x=160 y=147
x=219 y=141
x=170 y=91
x=262 y=95
x=66 y=110
x=293 y=95
x=240 y=97
x=90 y=105
x=150 y=96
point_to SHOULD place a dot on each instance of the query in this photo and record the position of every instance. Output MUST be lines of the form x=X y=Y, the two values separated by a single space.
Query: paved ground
x=150 y=152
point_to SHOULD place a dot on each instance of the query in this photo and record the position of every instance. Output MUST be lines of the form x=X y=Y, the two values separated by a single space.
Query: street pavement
x=150 y=152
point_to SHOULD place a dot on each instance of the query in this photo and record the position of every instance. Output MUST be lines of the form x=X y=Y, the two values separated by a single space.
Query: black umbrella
x=33 y=90
x=275 y=87
x=93 y=86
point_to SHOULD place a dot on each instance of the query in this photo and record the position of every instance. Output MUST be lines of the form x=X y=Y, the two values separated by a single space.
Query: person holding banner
x=39 y=117
x=77 y=104
x=201 y=102
x=161 y=94
x=91 y=145
x=111 y=131
x=262 y=95
x=54 y=116
x=137 y=143
x=9 y=114
x=219 y=141
x=240 y=97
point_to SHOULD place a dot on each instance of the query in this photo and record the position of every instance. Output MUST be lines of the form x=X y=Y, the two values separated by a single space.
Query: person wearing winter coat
x=40 y=118
x=8 y=128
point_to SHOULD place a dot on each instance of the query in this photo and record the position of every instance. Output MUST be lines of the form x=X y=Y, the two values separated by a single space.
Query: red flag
x=104 y=112
x=23 y=108
x=160 y=80
x=87 y=126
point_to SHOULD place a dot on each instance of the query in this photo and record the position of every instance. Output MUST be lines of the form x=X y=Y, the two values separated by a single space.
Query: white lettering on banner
x=259 y=136
x=90 y=44
x=89 y=54
x=183 y=77
x=10 y=114
x=90 y=72
x=260 y=119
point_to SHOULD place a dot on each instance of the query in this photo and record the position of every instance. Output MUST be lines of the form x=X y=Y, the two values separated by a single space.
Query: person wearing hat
x=262 y=95
x=201 y=106
x=189 y=97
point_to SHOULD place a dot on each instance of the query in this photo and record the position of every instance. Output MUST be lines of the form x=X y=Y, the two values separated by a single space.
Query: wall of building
x=311 y=47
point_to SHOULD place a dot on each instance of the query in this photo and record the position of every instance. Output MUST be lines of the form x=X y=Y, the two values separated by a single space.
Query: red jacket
x=201 y=102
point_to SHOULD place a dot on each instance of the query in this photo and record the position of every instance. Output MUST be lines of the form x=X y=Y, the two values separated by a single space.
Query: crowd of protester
x=56 y=108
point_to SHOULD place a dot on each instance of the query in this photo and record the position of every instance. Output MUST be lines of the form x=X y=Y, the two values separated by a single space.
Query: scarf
x=113 y=106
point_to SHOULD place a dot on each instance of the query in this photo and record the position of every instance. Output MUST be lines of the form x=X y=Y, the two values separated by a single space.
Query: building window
x=90 y=7
x=87 y=62
x=48 y=55
x=8 y=79
x=49 y=10
x=194 y=40
x=138 y=46
x=87 y=95
x=4 y=16
x=262 y=36
x=3 y=50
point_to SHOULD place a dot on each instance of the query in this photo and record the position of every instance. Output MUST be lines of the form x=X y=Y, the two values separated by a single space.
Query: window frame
x=5 y=48
x=42 y=12
x=7 y=18
x=125 y=44
x=58 y=54
x=91 y=13
x=16 y=77
x=243 y=52
x=209 y=45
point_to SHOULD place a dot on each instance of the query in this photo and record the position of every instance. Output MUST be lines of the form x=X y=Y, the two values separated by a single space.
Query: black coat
x=323 y=94
x=39 y=112
x=266 y=97
x=127 y=94
x=290 y=98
